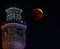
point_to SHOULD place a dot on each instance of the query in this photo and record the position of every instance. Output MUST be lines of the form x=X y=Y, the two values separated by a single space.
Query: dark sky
x=42 y=33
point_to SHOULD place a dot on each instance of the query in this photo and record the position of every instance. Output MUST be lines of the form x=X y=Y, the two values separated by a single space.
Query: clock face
x=20 y=32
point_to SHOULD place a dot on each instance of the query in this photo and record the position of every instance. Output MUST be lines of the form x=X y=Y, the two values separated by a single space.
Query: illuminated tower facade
x=14 y=31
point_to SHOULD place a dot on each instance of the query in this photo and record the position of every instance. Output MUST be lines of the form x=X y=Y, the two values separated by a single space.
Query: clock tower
x=14 y=31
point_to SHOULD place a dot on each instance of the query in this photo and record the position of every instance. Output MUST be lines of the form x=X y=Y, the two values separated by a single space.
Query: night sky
x=39 y=34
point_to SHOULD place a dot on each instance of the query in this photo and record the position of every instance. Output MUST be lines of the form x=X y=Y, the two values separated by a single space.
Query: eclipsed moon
x=37 y=14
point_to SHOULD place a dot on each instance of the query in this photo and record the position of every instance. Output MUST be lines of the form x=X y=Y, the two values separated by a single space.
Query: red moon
x=37 y=14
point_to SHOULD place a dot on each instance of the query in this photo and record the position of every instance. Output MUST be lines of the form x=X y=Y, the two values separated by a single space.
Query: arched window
x=20 y=32
x=17 y=16
x=5 y=35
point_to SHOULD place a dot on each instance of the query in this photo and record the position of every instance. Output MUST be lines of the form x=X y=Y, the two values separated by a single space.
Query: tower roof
x=13 y=8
